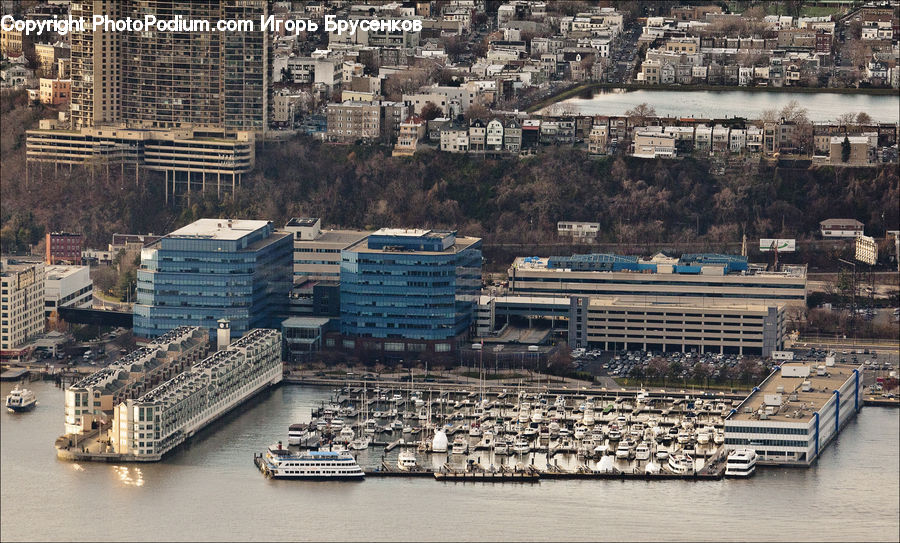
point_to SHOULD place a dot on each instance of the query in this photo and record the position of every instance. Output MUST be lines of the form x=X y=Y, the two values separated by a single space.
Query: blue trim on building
x=837 y=412
x=856 y=391
x=816 y=414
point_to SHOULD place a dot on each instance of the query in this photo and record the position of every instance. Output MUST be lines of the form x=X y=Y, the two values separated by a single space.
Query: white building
x=841 y=228
x=791 y=417
x=21 y=303
x=578 y=229
x=67 y=286
x=455 y=140
x=494 y=135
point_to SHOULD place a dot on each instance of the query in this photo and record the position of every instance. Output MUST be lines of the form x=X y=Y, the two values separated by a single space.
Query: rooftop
x=796 y=405
x=221 y=229
x=55 y=273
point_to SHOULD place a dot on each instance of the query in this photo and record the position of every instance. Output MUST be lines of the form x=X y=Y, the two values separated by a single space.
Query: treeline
x=647 y=203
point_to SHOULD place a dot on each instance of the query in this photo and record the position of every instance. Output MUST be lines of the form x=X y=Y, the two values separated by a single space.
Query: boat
x=614 y=434
x=623 y=451
x=606 y=464
x=407 y=430
x=336 y=424
x=406 y=461
x=536 y=415
x=719 y=438
x=370 y=426
x=702 y=437
x=460 y=446
x=741 y=463
x=475 y=430
x=360 y=443
x=300 y=434
x=662 y=454
x=553 y=428
x=20 y=399
x=439 y=443
x=651 y=468
x=521 y=446
x=397 y=424
x=580 y=432
x=681 y=464
x=501 y=446
x=346 y=434
x=642 y=452
x=684 y=437
x=281 y=463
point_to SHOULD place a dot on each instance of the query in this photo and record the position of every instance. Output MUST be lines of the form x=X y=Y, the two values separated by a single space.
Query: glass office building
x=409 y=291
x=214 y=269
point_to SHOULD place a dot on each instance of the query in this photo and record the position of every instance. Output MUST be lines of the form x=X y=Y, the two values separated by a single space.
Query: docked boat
x=684 y=437
x=642 y=452
x=741 y=463
x=346 y=434
x=719 y=438
x=614 y=434
x=281 y=463
x=301 y=434
x=406 y=461
x=501 y=446
x=681 y=464
x=475 y=430
x=360 y=443
x=459 y=446
x=397 y=424
x=623 y=451
x=553 y=428
x=20 y=399
x=703 y=437
x=521 y=446
x=407 y=429
x=662 y=454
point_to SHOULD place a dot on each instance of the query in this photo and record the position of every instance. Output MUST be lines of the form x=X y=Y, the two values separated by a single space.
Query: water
x=210 y=490
x=821 y=107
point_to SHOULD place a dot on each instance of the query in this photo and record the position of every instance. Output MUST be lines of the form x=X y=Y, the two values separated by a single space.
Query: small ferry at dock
x=281 y=463
x=741 y=463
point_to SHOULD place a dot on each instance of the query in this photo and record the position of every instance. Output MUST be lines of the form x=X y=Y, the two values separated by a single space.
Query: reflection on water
x=210 y=490
x=821 y=107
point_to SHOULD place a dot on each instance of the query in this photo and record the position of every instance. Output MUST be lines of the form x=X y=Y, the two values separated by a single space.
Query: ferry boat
x=741 y=463
x=20 y=399
x=406 y=461
x=681 y=463
x=280 y=463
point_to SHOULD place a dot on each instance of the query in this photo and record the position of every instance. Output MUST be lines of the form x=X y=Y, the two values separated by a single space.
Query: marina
x=217 y=463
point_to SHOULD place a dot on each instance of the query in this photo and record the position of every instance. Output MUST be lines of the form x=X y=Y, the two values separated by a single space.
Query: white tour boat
x=681 y=463
x=741 y=463
x=406 y=461
x=281 y=463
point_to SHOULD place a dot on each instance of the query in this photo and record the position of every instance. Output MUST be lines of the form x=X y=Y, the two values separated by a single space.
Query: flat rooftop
x=57 y=272
x=338 y=236
x=223 y=229
x=801 y=409
x=461 y=244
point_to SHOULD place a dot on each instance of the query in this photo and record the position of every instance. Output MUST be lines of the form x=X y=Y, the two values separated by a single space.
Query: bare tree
x=639 y=114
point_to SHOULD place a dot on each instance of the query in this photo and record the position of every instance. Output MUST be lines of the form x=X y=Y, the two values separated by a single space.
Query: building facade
x=214 y=269
x=21 y=303
x=409 y=291
x=63 y=248
x=67 y=286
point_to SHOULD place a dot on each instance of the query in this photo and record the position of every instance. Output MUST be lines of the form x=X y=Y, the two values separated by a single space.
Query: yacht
x=588 y=417
x=346 y=435
x=521 y=446
x=301 y=434
x=407 y=429
x=406 y=461
x=281 y=463
x=719 y=438
x=397 y=424
x=20 y=399
x=336 y=424
x=662 y=454
x=623 y=451
x=652 y=468
x=501 y=446
x=475 y=430
x=681 y=463
x=684 y=437
x=580 y=432
x=703 y=437
x=524 y=412
x=370 y=426
x=741 y=463
x=642 y=452
x=360 y=443
x=536 y=415
x=614 y=434
x=460 y=446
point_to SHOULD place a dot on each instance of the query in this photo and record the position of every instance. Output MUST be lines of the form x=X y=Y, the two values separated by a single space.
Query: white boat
x=460 y=446
x=741 y=463
x=346 y=434
x=524 y=412
x=300 y=434
x=323 y=465
x=407 y=429
x=684 y=437
x=719 y=438
x=360 y=443
x=20 y=399
x=536 y=415
x=370 y=426
x=521 y=446
x=530 y=431
x=681 y=463
x=501 y=447
x=588 y=417
x=439 y=443
x=642 y=452
x=662 y=454
x=406 y=461
x=623 y=451
x=651 y=467
x=475 y=430
x=580 y=432
x=606 y=464
x=553 y=428
x=614 y=434
x=336 y=424
x=397 y=424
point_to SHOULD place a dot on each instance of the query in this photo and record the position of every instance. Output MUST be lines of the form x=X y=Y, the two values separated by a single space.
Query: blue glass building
x=409 y=291
x=214 y=269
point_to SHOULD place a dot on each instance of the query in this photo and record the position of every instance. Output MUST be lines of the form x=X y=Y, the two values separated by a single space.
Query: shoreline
x=575 y=91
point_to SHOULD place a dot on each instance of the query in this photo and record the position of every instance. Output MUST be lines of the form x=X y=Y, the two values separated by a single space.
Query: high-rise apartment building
x=154 y=79
x=21 y=303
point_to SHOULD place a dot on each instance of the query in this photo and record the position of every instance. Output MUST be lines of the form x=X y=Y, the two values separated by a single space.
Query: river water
x=821 y=106
x=210 y=490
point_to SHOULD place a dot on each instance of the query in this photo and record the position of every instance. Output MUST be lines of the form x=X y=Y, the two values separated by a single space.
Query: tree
x=431 y=111
x=477 y=111
x=846 y=120
x=845 y=149
x=863 y=118
x=640 y=113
